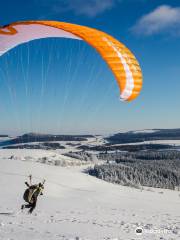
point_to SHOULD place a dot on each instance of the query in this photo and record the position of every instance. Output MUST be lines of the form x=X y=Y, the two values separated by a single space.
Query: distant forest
x=130 y=148
x=153 y=169
x=156 y=134
x=31 y=137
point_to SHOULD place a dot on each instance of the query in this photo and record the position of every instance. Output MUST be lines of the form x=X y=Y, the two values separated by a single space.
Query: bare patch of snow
x=145 y=131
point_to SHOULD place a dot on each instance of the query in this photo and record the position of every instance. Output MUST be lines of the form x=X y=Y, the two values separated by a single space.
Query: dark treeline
x=82 y=155
x=129 y=148
x=140 y=169
x=157 y=134
x=141 y=155
x=31 y=137
x=45 y=146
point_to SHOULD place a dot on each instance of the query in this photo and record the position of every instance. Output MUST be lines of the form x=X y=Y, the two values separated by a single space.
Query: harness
x=31 y=192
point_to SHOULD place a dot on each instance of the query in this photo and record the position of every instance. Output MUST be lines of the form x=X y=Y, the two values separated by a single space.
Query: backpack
x=29 y=194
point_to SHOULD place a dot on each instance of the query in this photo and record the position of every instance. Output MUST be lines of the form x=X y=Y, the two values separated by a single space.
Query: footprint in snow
x=60 y=220
x=2 y=224
x=122 y=223
x=148 y=226
x=58 y=212
x=73 y=220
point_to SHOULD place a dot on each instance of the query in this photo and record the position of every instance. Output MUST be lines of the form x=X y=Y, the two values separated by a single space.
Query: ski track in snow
x=76 y=206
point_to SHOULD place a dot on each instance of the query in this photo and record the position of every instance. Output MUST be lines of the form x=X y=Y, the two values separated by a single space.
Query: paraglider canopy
x=121 y=61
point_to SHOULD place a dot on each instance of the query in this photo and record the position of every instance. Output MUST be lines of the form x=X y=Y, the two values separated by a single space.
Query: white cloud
x=90 y=8
x=163 y=19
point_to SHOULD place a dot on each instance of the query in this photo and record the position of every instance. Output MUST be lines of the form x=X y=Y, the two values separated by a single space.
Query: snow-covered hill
x=158 y=138
x=78 y=206
x=49 y=157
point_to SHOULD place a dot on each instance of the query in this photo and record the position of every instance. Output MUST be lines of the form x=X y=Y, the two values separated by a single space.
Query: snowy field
x=145 y=131
x=71 y=146
x=78 y=206
x=50 y=157
x=166 y=142
x=5 y=138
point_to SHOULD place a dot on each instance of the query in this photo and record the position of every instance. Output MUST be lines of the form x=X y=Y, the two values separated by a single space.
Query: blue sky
x=63 y=86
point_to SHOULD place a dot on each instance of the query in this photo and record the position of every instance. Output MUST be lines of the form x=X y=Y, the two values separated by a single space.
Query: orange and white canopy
x=119 y=58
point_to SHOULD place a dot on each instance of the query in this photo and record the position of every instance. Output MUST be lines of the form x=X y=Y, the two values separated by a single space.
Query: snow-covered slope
x=78 y=206
x=165 y=142
x=5 y=138
x=51 y=157
x=145 y=131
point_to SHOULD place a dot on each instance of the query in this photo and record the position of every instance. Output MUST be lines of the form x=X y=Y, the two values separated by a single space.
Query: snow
x=91 y=142
x=169 y=142
x=5 y=138
x=165 y=142
x=52 y=157
x=145 y=131
x=78 y=206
